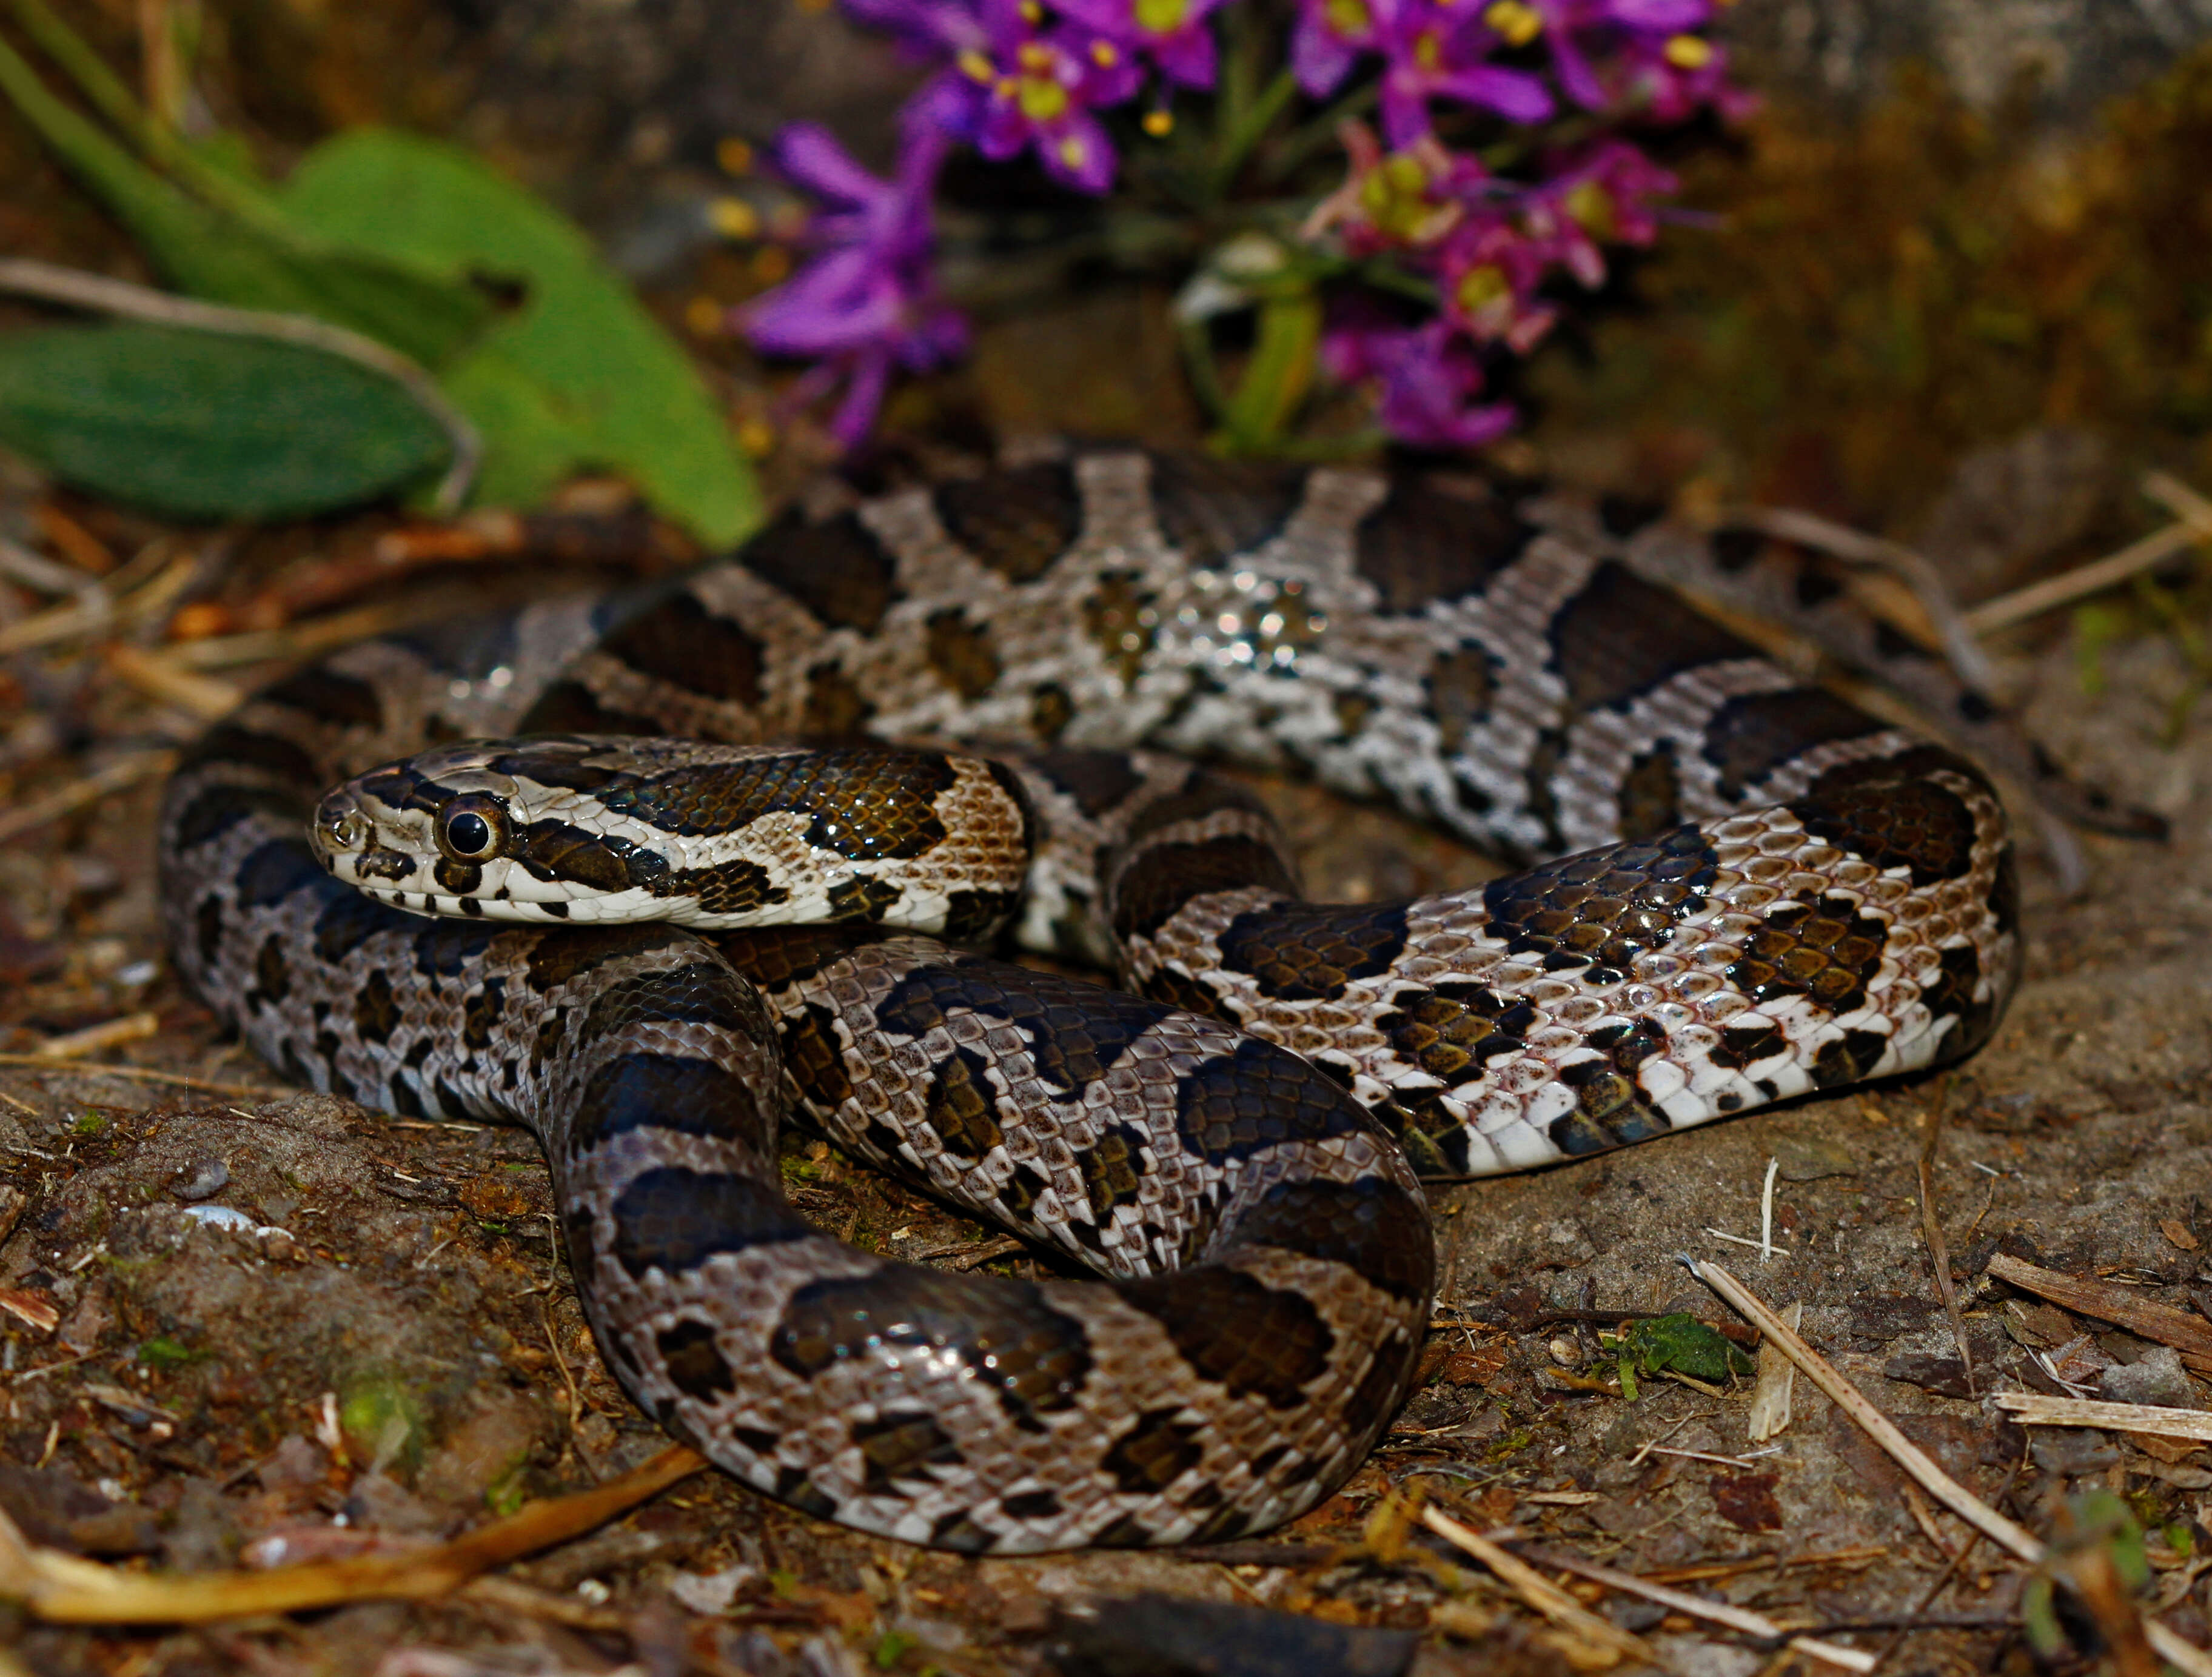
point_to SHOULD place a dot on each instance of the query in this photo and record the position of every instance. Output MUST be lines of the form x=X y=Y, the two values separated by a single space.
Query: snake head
x=430 y=834
x=519 y=829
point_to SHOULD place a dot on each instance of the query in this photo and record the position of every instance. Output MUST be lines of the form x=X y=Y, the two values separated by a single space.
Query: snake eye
x=472 y=828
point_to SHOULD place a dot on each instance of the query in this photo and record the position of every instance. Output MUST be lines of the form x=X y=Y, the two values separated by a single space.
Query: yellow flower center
x=1158 y=124
x=1428 y=49
x=1517 y=22
x=1042 y=101
x=1071 y=152
x=1481 y=287
x=1689 y=52
x=1161 y=17
x=1396 y=197
x=975 y=66
x=1104 y=55
x=1348 y=17
x=1592 y=207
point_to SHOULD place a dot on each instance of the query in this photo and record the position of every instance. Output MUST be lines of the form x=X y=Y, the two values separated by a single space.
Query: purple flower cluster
x=1016 y=76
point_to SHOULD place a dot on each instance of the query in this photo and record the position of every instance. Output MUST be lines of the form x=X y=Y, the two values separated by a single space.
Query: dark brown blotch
x=1314 y=952
x=694 y=1363
x=1828 y=952
x=1607 y=906
x=1253 y=1340
x=1262 y=1097
x=1210 y=510
x=837 y=568
x=1372 y=1227
x=658 y=1092
x=960 y=1106
x=680 y=641
x=1621 y=636
x=673 y=1219
x=1033 y=1359
x=1017 y=522
x=1425 y=543
x=902 y=1445
x=961 y=653
x=812 y=1061
x=836 y=710
x=1158 y=1449
x=1890 y=812
x=1751 y=735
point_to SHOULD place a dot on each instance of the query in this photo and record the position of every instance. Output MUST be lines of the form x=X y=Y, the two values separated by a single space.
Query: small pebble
x=203 y=1181
x=220 y=1217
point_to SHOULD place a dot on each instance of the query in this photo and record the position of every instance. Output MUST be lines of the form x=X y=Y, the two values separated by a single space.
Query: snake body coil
x=1765 y=891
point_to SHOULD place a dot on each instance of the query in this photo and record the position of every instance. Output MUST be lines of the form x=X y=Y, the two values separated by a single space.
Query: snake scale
x=1754 y=890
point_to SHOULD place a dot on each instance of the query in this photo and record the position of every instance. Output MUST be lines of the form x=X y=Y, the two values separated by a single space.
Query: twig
x=124 y=773
x=1746 y=1463
x=48 y=576
x=108 y=1034
x=2035 y=1409
x=97 y=292
x=1938 y=1254
x=1939 y=623
x=1697 y=1607
x=1956 y=1565
x=2191 y=1335
x=1766 y=1211
x=162 y=678
x=1764 y=1248
x=2193 y=527
x=141 y=1074
x=1848 y=1397
x=307 y=638
x=61 y=1589
x=152 y=591
x=1538 y=1591
x=2170 y=1645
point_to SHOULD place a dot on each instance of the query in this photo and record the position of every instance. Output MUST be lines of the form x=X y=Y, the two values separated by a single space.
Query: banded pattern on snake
x=1758 y=890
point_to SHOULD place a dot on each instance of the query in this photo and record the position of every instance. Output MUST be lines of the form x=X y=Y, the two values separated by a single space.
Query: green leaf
x=579 y=376
x=1681 y=1344
x=245 y=256
x=200 y=425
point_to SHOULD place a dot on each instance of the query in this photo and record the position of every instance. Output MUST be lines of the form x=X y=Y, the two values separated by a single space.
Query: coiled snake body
x=1762 y=892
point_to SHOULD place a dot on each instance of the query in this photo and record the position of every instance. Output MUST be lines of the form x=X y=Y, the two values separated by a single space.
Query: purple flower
x=1329 y=39
x=866 y=302
x=1173 y=34
x=1604 y=198
x=1426 y=374
x=932 y=29
x=1435 y=50
x=1629 y=37
x=1405 y=200
x=1040 y=90
x=1489 y=274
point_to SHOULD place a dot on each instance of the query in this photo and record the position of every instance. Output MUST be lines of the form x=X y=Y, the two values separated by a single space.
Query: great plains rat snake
x=1763 y=891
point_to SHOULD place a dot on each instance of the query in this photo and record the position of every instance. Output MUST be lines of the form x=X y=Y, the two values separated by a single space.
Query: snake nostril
x=343 y=827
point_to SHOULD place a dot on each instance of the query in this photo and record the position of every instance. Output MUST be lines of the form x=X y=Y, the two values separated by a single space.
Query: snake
x=831 y=768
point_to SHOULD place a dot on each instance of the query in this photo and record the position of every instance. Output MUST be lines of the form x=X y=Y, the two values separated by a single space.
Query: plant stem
x=105 y=92
x=1278 y=374
x=1243 y=131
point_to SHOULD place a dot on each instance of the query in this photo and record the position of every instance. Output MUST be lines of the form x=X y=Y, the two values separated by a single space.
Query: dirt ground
x=245 y=1324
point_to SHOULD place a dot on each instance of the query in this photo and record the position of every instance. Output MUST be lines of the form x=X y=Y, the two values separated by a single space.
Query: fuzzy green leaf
x=246 y=256
x=579 y=376
x=202 y=425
